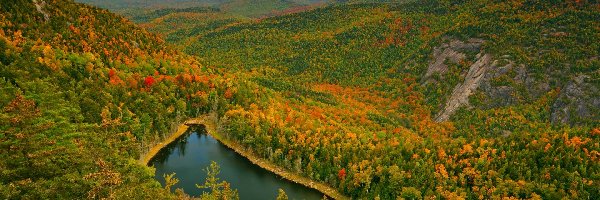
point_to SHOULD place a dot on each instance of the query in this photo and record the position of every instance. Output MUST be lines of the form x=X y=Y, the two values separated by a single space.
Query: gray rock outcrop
x=454 y=52
x=501 y=82
x=460 y=94
x=39 y=6
x=578 y=101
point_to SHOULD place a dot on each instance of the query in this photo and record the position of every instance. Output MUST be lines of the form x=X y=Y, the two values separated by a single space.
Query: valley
x=396 y=100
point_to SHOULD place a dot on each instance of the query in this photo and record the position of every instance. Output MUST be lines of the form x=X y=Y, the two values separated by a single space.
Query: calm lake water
x=191 y=154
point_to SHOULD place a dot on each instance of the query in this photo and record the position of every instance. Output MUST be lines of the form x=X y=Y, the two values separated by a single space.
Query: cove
x=191 y=153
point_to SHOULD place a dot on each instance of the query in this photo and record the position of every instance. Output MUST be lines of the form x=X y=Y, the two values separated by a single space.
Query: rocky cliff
x=499 y=81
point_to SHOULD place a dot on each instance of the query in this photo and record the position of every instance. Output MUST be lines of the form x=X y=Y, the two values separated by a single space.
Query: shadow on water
x=190 y=154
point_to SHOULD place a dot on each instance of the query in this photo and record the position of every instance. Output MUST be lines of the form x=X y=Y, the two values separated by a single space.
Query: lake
x=193 y=152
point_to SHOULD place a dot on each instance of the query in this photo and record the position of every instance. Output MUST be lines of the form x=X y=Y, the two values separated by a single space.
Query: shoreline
x=145 y=159
x=210 y=127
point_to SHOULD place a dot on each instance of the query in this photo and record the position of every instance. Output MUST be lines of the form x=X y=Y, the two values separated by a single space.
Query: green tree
x=410 y=193
x=170 y=181
x=281 y=195
x=219 y=190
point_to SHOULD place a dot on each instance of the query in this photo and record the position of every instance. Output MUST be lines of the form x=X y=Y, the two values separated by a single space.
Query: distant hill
x=150 y=4
x=246 y=8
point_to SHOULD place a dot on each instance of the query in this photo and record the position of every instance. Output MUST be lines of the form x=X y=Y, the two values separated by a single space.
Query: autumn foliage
x=149 y=81
x=335 y=94
x=342 y=173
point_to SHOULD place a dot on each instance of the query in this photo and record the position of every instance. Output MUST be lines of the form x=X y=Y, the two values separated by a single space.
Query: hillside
x=470 y=99
x=116 y=5
x=423 y=99
x=84 y=93
x=235 y=8
x=178 y=20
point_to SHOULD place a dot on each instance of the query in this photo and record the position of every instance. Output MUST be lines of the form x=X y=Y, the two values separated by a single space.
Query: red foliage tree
x=111 y=73
x=342 y=173
x=149 y=81
x=228 y=94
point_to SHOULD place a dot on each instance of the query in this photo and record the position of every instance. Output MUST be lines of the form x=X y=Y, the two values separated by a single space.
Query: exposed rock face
x=460 y=94
x=503 y=94
x=501 y=82
x=499 y=95
x=39 y=5
x=578 y=101
x=454 y=51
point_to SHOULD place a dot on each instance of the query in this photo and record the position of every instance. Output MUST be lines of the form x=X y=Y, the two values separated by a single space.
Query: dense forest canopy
x=414 y=99
x=84 y=93
x=477 y=99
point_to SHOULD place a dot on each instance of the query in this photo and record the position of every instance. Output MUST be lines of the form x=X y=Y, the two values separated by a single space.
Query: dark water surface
x=191 y=154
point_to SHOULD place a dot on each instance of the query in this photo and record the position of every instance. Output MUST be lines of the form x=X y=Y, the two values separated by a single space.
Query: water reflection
x=194 y=151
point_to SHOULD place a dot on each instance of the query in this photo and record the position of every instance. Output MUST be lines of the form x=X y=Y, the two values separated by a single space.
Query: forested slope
x=235 y=8
x=473 y=99
x=83 y=93
x=450 y=99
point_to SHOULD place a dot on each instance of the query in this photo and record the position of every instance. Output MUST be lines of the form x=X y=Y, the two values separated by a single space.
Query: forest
x=432 y=99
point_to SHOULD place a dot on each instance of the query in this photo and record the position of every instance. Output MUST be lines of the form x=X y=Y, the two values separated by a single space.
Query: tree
x=170 y=181
x=219 y=190
x=149 y=81
x=281 y=195
x=342 y=174
x=18 y=128
x=410 y=193
x=106 y=180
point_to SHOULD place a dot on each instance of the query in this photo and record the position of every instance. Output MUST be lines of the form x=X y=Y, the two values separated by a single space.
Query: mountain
x=472 y=99
x=125 y=4
x=84 y=94
x=244 y=8
x=394 y=100
x=357 y=45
